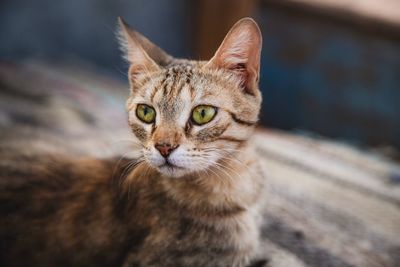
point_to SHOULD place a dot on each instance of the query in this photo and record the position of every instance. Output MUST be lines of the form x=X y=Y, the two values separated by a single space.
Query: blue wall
x=329 y=78
x=70 y=29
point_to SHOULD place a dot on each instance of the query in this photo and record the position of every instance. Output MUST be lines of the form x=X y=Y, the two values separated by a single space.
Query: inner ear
x=240 y=53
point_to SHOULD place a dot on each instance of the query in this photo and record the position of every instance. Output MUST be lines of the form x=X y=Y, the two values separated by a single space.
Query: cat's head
x=192 y=115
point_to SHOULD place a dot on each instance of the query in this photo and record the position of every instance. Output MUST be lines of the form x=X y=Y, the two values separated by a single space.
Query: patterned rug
x=329 y=204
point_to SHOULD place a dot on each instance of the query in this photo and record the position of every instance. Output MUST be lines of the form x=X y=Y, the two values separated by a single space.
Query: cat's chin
x=172 y=171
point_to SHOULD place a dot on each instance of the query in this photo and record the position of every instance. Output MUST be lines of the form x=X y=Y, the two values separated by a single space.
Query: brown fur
x=203 y=211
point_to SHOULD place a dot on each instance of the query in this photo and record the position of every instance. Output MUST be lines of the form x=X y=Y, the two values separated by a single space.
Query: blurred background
x=329 y=68
x=330 y=79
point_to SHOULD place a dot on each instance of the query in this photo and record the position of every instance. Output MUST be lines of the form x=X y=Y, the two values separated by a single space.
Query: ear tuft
x=240 y=53
x=134 y=52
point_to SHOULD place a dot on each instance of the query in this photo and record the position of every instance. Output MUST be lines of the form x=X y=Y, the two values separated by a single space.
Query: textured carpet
x=329 y=204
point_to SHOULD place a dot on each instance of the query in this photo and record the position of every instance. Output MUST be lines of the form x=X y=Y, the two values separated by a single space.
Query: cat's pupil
x=145 y=111
x=203 y=113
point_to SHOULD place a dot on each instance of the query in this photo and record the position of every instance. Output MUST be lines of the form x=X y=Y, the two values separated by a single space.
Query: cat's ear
x=143 y=55
x=240 y=53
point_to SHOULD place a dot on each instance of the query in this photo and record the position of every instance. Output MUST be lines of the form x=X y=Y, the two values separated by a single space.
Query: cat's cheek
x=154 y=158
x=193 y=163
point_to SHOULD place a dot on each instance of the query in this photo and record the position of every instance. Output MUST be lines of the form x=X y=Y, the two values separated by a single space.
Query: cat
x=193 y=198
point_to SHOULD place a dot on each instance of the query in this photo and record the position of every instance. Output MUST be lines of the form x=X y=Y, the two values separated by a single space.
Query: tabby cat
x=192 y=198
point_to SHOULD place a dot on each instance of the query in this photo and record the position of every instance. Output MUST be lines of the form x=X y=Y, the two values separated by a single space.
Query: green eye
x=203 y=114
x=145 y=113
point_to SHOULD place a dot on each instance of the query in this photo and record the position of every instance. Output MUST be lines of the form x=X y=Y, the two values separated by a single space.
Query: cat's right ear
x=143 y=55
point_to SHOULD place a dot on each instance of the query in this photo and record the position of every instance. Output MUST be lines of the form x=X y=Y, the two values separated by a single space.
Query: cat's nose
x=165 y=148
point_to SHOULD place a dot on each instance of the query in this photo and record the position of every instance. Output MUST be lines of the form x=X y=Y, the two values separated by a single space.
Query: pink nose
x=165 y=149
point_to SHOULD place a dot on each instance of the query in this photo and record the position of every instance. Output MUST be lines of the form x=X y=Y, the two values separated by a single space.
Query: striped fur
x=214 y=176
x=202 y=210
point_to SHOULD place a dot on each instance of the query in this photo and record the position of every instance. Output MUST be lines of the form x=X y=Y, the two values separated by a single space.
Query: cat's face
x=191 y=115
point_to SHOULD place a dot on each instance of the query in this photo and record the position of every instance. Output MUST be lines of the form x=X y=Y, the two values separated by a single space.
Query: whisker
x=218 y=167
x=225 y=167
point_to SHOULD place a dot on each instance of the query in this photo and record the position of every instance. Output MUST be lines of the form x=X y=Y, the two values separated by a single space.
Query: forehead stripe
x=179 y=88
x=155 y=89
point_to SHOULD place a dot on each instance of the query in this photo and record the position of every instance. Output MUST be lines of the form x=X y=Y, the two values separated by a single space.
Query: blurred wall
x=66 y=29
x=330 y=77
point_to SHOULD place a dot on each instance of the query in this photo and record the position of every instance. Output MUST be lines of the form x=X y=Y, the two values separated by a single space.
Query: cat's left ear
x=240 y=53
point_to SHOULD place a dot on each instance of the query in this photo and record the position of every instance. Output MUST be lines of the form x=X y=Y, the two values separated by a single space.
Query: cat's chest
x=187 y=241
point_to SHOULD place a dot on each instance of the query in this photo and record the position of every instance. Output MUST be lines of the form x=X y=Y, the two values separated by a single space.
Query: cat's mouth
x=171 y=169
x=170 y=166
